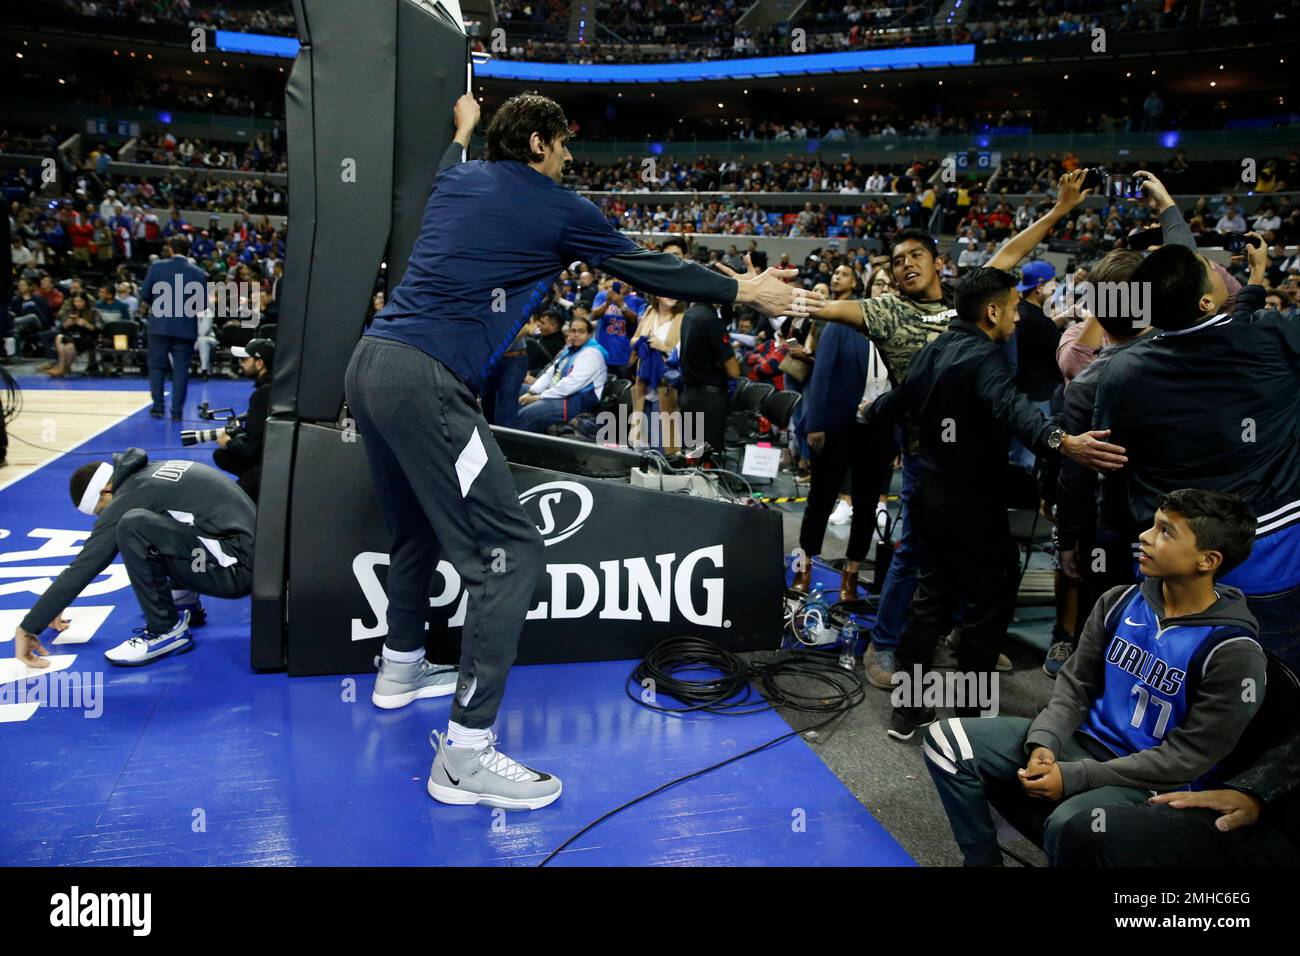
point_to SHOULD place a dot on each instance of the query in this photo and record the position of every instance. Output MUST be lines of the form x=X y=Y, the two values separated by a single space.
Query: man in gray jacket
x=182 y=527
x=1167 y=676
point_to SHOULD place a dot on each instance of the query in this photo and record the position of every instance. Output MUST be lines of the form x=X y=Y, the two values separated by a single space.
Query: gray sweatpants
x=446 y=492
x=962 y=752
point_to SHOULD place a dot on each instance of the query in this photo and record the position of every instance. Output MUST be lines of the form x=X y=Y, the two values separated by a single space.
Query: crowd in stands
x=78 y=262
x=653 y=31
x=664 y=31
x=243 y=16
x=164 y=149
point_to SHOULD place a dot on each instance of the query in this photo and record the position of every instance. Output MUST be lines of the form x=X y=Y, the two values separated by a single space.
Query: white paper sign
x=761 y=462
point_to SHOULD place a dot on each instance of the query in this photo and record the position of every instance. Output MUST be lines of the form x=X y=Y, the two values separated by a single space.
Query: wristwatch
x=1055 y=437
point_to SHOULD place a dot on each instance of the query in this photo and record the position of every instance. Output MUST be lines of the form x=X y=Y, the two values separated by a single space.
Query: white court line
x=57 y=455
x=84 y=621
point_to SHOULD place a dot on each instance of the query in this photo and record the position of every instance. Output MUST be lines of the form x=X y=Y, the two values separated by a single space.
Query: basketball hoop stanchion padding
x=365 y=108
x=368 y=116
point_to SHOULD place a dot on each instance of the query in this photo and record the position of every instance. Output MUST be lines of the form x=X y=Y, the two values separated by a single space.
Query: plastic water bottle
x=848 y=644
x=816 y=615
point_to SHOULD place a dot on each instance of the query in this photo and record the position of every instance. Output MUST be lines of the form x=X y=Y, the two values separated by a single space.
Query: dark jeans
x=540 y=415
x=501 y=391
x=713 y=404
x=900 y=580
x=161 y=554
x=446 y=492
x=169 y=351
x=968 y=562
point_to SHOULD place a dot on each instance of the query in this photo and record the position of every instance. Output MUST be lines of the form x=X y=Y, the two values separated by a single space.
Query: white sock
x=185 y=597
x=459 y=736
x=403 y=657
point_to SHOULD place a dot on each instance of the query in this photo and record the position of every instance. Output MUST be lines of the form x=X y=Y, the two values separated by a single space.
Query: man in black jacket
x=1213 y=401
x=177 y=524
x=960 y=397
x=241 y=453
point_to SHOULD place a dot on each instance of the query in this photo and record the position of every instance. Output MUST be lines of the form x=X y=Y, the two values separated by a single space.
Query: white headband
x=97 y=482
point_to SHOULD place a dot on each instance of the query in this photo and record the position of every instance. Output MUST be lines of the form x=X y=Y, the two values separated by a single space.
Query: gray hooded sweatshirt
x=1219 y=712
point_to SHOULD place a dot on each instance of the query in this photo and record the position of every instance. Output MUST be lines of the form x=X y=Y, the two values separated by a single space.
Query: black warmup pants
x=966 y=561
x=446 y=492
x=161 y=553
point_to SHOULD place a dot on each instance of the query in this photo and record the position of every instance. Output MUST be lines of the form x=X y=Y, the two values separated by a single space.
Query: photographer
x=241 y=453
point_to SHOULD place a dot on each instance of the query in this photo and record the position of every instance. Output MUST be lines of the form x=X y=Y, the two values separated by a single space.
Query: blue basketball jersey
x=1150 y=675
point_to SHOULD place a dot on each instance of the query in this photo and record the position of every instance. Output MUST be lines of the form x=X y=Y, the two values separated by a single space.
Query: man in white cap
x=182 y=528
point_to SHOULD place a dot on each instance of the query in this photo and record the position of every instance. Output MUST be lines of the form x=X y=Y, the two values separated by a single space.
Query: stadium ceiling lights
x=752 y=68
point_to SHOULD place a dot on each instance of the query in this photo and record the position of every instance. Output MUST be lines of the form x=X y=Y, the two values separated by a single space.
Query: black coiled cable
x=11 y=395
x=729 y=686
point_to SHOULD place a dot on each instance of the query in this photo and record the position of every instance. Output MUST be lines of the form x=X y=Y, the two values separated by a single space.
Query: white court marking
x=83 y=623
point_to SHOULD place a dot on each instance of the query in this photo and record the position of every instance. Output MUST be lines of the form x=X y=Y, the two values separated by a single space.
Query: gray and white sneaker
x=397 y=684
x=487 y=778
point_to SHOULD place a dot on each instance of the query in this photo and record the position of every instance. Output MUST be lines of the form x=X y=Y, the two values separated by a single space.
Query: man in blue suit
x=174 y=293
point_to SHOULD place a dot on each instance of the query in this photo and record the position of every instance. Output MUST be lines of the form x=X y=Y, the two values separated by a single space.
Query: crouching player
x=181 y=528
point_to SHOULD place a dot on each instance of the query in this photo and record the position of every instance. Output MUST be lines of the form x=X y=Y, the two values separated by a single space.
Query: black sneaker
x=198 y=615
x=904 y=721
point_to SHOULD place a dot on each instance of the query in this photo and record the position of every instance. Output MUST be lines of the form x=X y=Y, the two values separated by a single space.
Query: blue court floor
x=196 y=760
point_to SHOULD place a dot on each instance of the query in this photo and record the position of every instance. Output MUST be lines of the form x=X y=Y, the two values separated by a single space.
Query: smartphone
x=1236 y=242
x=617 y=286
x=1094 y=178
x=1124 y=187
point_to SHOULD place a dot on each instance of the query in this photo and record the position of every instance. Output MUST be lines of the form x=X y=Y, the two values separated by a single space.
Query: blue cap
x=1035 y=274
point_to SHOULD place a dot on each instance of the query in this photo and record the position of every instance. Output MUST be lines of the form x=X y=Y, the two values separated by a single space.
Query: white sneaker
x=148 y=646
x=843 y=512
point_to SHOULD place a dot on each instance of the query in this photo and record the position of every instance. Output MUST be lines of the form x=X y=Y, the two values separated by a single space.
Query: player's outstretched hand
x=769 y=293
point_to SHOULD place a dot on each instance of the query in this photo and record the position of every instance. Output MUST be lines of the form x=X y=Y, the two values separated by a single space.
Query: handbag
x=797 y=368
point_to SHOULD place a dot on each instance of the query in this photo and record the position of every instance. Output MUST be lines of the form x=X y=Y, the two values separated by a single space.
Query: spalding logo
x=560 y=509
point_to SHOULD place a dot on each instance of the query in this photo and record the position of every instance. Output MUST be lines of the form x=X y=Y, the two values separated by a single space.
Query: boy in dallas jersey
x=1167 y=676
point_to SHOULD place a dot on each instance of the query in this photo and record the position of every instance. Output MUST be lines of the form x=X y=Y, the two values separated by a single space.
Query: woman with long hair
x=657 y=335
x=842 y=448
x=79 y=334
